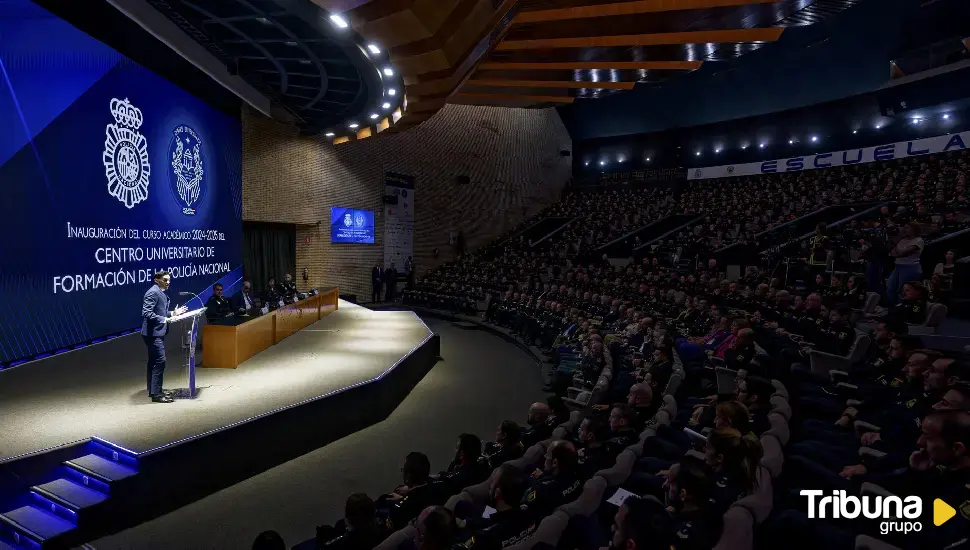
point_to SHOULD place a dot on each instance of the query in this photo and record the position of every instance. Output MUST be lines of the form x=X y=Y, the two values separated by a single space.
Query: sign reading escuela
x=914 y=148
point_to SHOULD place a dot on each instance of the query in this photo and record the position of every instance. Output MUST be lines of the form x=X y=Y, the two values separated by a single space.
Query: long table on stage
x=230 y=341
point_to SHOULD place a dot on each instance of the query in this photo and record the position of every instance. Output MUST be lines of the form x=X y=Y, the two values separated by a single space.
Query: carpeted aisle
x=481 y=380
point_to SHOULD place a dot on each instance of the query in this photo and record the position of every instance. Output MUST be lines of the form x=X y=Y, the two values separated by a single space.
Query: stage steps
x=56 y=513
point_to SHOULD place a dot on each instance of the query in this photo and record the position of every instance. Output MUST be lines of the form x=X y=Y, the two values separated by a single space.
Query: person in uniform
x=217 y=306
x=696 y=525
x=510 y=523
x=154 y=327
x=538 y=429
x=358 y=530
x=465 y=469
x=271 y=296
x=288 y=288
x=557 y=483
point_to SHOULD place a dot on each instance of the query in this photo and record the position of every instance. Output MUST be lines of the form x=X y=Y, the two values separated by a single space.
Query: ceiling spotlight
x=602 y=163
x=374 y=115
x=386 y=106
x=855 y=131
x=946 y=116
x=814 y=139
x=586 y=163
x=263 y=20
x=373 y=49
x=718 y=150
x=291 y=43
x=620 y=160
x=745 y=146
x=648 y=159
x=761 y=145
x=353 y=125
x=329 y=134
x=388 y=71
x=878 y=125
x=917 y=120
x=391 y=91
x=791 y=141
x=340 y=22
x=698 y=153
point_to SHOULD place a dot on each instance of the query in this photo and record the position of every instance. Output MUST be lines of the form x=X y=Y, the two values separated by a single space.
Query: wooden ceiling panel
x=528 y=53
x=654 y=39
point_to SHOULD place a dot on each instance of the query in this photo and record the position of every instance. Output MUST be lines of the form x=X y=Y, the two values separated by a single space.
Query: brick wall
x=510 y=155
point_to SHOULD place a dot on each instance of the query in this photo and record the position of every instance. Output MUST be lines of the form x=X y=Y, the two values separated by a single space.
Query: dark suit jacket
x=375 y=276
x=154 y=311
x=239 y=303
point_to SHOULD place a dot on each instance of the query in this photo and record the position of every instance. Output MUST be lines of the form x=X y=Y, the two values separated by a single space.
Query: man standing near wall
x=375 y=282
x=390 y=282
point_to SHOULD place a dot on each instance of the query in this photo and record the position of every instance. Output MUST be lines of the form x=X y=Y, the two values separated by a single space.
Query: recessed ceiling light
x=386 y=106
x=791 y=141
x=388 y=71
x=391 y=91
x=290 y=43
x=745 y=146
x=586 y=163
x=946 y=116
x=855 y=131
x=374 y=115
x=340 y=22
x=602 y=163
x=761 y=145
x=373 y=49
x=878 y=126
x=698 y=153
x=353 y=125
x=814 y=138
x=329 y=134
x=718 y=150
x=648 y=159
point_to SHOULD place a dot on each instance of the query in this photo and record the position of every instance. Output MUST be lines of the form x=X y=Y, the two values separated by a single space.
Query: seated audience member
x=644 y=406
x=741 y=353
x=217 y=306
x=510 y=523
x=418 y=491
x=735 y=460
x=689 y=487
x=622 y=432
x=435 y=529
x=243 y=301
x=269 y=540
x=560 y=411
x=594 y=453
x=557 y=483
x=466 y=468
x=912 y=308
x=271 y=295
x=755 y=394
x=358 y=530
x=957 y=398
x=643 y=524
x=507 y=445
x=539 y=429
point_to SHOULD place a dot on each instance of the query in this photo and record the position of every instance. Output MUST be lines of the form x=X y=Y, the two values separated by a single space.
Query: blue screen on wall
x=348 y=225
x=108 y=173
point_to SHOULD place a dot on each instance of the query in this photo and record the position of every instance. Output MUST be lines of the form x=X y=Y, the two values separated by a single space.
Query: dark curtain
x=269 y=250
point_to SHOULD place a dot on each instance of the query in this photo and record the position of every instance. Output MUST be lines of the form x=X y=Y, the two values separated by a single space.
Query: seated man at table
x=217 y=306
x=243 y=301
x=287 y=288
x=271 y=296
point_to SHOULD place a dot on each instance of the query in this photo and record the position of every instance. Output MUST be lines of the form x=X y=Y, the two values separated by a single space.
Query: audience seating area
x=689 y=409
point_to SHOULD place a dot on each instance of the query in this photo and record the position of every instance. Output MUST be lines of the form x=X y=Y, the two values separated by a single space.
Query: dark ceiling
x=291 y=52
x=564 y=50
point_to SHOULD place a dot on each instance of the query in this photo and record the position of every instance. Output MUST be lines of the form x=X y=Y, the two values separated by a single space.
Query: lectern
x=189 y=339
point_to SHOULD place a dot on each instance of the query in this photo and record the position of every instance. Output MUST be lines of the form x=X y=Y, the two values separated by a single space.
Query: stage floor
x=100 y=390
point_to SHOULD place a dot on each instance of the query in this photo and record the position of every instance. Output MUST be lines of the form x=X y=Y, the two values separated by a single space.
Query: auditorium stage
x=84 y=453
x=100 y=392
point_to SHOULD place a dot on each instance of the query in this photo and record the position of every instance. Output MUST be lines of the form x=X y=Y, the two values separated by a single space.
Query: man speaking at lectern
x=154 y=327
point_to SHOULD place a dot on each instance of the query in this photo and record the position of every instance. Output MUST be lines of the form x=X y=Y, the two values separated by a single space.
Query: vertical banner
x=398 y=219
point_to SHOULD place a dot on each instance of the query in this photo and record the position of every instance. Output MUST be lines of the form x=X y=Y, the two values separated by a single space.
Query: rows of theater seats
x=739 y=522
x=930 y=190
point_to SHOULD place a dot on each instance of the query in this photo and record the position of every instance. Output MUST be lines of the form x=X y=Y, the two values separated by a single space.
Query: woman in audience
x=907 y=253
x=735 y=459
